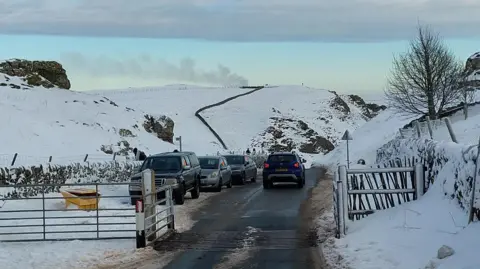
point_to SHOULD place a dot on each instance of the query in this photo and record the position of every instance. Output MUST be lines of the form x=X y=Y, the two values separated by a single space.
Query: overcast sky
x=256 y=28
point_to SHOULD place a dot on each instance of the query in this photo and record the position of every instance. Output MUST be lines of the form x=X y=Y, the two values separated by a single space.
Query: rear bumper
x=209 y=182
x=296 y=176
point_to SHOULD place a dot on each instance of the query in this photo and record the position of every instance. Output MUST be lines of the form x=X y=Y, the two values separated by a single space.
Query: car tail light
x=266 y=165
x=296 y=165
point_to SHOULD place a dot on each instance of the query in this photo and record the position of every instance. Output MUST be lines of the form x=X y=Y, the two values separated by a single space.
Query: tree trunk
x=432 y=113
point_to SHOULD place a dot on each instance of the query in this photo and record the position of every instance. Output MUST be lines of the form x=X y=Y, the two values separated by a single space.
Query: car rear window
x=209 y=163
x=163 y=164
x=281 y=158
x=235 y=159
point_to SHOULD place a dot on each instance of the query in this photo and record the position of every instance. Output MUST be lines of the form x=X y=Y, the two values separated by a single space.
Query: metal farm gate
x=360 y=192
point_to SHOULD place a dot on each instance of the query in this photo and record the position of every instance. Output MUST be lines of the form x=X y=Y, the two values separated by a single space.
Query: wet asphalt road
x=249 y=227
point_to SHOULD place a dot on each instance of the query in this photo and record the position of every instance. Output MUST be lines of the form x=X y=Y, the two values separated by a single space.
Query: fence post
x=50 y=159
x=342 y=174
x=339 y=201
x=171 y=217
x=86 y=157
x=419 y=180
x=149 y=195
x=14 y=159
x=114 y=155
x=140 y=224
x=417 y=127
x=429 y=125
x=472 y=198
x=450 y=130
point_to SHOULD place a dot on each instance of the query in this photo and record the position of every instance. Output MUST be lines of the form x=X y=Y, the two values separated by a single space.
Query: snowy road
x=250 y=227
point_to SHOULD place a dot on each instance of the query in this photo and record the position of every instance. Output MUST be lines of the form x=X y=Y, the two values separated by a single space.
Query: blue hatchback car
x=283 y=167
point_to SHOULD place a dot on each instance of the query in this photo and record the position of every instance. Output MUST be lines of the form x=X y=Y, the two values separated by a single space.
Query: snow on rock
x=48 y=74
x=366 y=140
x=472 y=68
x=444 y=252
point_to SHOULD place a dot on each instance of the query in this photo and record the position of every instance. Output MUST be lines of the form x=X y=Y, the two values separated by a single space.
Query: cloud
x=241 y=20
x=147 y=67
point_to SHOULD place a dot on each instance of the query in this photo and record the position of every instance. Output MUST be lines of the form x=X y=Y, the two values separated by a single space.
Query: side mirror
x=187 y=167
x=304 y=161
x=223 y=167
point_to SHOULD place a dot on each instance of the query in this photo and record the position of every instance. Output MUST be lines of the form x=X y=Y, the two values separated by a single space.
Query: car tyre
x=242 y=180
x=220 y=185
x=254 y=178
x=229 y=185
x=179 y=195
x=267 y=184
x=301 y=183
x=196 y=190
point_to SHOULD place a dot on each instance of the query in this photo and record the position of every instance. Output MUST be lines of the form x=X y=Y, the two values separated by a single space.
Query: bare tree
x=425 y=79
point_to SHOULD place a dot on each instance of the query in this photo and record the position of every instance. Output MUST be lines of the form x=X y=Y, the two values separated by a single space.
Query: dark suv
x=243 y=168
x=283 y=167
x=184 y=166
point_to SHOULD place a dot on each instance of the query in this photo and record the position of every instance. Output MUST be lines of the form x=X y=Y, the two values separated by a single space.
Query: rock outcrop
x=472 y=69
x=161 y=126
x=369 y=110
x=48 y=74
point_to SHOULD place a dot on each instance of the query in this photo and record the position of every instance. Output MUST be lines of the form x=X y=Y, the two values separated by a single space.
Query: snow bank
x=408 y=236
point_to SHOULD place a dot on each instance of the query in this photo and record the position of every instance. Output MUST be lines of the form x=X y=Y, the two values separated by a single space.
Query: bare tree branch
x=425 y=79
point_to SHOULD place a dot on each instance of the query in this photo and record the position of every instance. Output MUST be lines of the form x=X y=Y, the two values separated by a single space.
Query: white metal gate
x=361 y=192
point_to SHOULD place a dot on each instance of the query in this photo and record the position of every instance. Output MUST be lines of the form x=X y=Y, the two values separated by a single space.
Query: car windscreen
x=284 y=158
x=208 y=163
x=163 y=164
x=235 y=159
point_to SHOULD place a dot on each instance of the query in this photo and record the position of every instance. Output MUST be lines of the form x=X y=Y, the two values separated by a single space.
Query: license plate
x=281 y=170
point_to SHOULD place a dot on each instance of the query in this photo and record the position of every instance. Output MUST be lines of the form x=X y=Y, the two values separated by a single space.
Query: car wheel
x=196 y=190
x=220 y=185
x=254 y=178
x=267 y=184
x=242 y=181
x=300 y=183
x=179 y=195
x=229 y=185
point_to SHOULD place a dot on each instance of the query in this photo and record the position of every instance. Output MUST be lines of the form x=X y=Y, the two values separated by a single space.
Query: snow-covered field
x=409 y=236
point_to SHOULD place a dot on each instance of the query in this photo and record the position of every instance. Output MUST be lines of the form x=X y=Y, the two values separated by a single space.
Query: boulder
x=161 y=126
x=444 y=252
x=48 y=74
x=472 y=69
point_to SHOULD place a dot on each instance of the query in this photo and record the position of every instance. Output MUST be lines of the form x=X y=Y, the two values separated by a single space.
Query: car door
x=223 y=169
x=188 y=175
x=228 y=169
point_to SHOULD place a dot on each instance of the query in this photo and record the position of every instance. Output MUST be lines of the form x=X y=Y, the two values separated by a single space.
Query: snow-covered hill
x=67 y=125
x=288 y=118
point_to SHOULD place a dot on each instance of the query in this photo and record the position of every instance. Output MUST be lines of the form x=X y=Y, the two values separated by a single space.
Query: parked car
x=283 y=167
x=216 y=172
x=243 y=168
x=183 y=166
